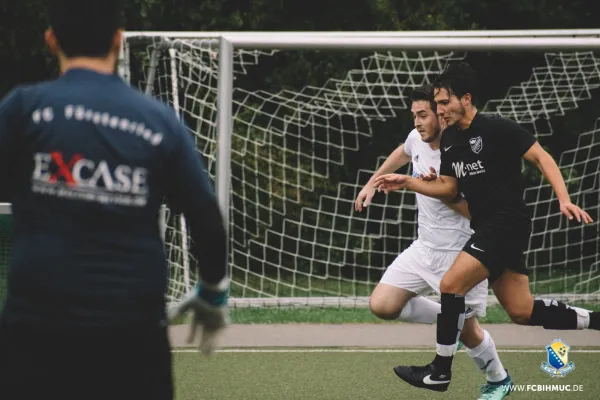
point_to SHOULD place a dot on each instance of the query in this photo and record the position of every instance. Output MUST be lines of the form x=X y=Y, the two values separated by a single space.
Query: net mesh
x=293 y=231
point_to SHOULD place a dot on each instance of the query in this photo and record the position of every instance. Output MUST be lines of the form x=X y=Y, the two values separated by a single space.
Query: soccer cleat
x=460 y=345
x=496 y=390
x=424 y=377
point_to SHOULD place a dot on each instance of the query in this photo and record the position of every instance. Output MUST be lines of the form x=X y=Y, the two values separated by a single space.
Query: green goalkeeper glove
x=208 y=304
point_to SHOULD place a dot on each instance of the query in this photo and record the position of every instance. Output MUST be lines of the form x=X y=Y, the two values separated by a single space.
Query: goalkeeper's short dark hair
x=458 y=78
x=424 y=93
x=85 y=28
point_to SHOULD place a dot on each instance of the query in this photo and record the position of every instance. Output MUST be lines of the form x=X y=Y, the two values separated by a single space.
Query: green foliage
x=25 y=59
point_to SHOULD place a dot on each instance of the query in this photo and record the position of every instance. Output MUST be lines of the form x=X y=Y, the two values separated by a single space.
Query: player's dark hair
x=424 y=93
x=85 y=28
x=458 y=79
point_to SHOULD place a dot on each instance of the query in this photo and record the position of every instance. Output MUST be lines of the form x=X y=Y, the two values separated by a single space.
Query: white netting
x=558 y=245
x=551 y=90
x=294 y=233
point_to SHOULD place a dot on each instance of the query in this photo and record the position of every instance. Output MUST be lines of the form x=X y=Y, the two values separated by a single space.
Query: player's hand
x=431 y=176
x=572 y=211
x=364 y=197
x=390 y=182
x=208 y=306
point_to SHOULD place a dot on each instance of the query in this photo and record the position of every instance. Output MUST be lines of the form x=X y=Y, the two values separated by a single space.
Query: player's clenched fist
x=431 y=176
x=390 y=182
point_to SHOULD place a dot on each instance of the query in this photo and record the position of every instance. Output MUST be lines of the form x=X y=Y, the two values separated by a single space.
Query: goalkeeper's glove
x=208 y=304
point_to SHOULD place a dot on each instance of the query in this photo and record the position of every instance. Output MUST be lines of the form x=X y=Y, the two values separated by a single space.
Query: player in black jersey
x=86 y=162
x=481 y=159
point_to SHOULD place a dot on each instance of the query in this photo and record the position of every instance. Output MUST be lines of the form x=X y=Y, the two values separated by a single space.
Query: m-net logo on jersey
x=79 y=178
x=462 y=169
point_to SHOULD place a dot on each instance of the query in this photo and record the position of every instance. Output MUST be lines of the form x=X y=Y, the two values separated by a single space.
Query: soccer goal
x=292 y=124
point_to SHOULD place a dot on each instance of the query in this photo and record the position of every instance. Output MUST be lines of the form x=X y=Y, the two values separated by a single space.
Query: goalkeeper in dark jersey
x=481 y=158
x=86 y=162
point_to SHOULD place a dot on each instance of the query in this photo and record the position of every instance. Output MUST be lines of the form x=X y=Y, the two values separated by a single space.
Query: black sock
x=552 y=314
x=449 y=325
x=595 y=321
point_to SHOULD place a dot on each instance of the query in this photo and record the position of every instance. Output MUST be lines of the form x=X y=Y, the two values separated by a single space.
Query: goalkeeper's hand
x=208 y=305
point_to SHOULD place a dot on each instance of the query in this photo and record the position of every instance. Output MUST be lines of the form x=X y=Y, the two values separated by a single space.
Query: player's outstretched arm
x=190 y=192
x=444 y=187
x=459 y=204
x=544 y=161
x=396 y=160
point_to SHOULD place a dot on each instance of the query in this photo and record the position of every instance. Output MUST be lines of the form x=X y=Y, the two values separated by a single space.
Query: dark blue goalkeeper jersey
x=86 y=162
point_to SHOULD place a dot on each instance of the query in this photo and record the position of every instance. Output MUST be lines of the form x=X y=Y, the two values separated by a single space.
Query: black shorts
x=38 y=362
x=499 y=249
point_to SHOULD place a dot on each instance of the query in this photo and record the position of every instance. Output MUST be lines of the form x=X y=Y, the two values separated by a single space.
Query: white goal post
x=195 y=72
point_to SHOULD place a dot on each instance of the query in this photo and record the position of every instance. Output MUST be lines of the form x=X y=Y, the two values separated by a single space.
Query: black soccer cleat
x=424 y=377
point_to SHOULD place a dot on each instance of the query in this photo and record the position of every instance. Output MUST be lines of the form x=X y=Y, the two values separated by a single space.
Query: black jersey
x=486 y=160
x=86 y=161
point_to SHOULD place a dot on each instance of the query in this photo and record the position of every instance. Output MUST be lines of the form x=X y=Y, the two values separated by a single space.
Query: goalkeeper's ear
x=116 y=42
x=52 y=42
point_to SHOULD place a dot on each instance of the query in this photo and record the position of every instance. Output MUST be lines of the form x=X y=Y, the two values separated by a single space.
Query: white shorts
x=419 y=269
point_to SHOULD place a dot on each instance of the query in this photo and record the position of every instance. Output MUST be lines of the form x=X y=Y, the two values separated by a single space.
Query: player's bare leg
x=463 y=275
x=512 y=291
x=472 y=334
x=387 y=301
x=393 y=303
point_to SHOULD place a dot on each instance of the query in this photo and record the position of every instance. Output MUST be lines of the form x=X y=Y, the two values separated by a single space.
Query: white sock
x=583 y=317
x=487 y=359
x=420 y=310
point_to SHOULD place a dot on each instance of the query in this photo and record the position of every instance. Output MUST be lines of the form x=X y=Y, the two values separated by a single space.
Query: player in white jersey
x=443 y=229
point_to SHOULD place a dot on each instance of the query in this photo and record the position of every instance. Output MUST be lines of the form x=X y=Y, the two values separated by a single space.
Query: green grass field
x=334 y=373
x=360 y=375
x=275 y=315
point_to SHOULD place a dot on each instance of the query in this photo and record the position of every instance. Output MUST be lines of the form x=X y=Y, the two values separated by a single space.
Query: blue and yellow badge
x=557 y=364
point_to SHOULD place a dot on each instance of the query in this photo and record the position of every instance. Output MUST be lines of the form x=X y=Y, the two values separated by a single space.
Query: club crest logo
x=557 y=363
x=476 y=144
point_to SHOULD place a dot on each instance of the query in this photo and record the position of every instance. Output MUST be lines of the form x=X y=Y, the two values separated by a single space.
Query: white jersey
x=440 y=227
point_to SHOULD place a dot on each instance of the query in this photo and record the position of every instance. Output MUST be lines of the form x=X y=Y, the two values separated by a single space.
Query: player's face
x=425 y=120
x=450 y=108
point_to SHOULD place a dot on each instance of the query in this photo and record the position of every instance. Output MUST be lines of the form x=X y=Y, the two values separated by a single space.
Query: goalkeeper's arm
x=191 y=193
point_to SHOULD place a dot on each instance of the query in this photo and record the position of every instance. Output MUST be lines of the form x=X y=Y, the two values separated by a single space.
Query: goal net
x=311 y=127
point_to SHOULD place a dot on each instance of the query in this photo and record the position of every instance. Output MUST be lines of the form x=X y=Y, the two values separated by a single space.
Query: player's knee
x=383 y=310
x=449 y=285
x=519 y=315
x=519 y=310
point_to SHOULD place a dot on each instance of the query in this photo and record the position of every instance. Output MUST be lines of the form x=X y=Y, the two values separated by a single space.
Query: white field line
x=329 y=350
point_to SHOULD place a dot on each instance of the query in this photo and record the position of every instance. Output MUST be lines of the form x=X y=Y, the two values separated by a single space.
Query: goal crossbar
x=393 y=43
x=382 y=34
